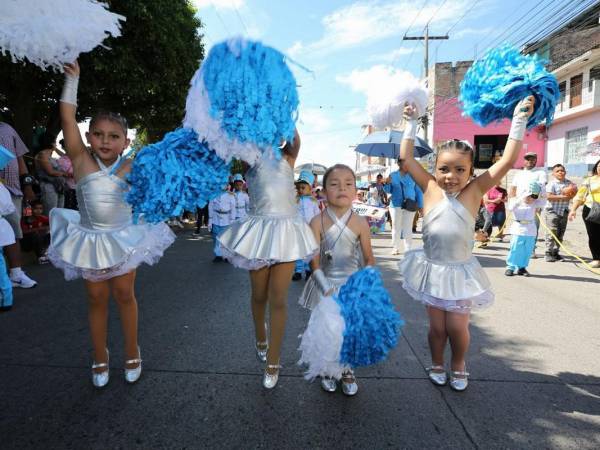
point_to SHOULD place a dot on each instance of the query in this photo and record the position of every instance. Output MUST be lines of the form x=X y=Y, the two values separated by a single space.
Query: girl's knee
x=438 y=332
x=124 y=295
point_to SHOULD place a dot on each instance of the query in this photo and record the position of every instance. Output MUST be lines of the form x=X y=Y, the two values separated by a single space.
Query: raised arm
x=74 y=144
x=407 y=146
x=494 y=174
x=292 y=149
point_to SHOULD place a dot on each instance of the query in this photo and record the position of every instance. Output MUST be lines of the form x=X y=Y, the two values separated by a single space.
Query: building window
x=594 y=75
x=575 y=91
x=575 y=142
x=562 y=89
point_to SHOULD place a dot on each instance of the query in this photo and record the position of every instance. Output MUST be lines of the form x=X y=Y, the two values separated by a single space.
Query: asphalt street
x=535 y=372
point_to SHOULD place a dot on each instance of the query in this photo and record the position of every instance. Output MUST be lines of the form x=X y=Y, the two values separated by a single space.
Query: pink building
x=448 y=122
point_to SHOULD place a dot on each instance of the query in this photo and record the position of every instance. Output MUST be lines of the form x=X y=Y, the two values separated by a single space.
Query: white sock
x=15 y=271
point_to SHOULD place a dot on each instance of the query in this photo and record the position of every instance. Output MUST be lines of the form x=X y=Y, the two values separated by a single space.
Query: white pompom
x=386 y=104
x=197 y=117
x=322 y=341
x=52 y=33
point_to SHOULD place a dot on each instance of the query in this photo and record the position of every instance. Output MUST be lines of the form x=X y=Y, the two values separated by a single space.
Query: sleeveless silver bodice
x=271 y=188
x=101 y=200
x=341 y=254
x=448 y=232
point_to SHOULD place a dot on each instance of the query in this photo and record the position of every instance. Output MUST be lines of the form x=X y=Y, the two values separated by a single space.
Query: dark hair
x=379 y=175
x=35 y=203
x=456 y=145
x=595 y=169
x=335 y=167
x=557 y=165
x=110 y=116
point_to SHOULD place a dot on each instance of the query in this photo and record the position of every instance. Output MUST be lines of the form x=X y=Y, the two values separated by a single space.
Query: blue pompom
x=175 y=175
x=372 y=323
x=252 y=99
x=494 y=85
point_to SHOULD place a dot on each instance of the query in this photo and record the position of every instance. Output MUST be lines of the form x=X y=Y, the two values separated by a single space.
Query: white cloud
x=218 y=4
x=315 y=120
x=357 y=117
x=374 y=82
x=328 y=149
x=391 y=57
x=472 y=32
x=369 y=21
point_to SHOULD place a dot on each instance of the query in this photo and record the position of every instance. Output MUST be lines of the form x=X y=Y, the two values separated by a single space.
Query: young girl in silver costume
x=100 y=243
x=345 y=247
x=267 y=243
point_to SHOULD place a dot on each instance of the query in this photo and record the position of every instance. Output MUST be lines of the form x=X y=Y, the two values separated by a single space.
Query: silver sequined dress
x=340 y=257
x=100 y=241
x=444 y=273
x=273 y=231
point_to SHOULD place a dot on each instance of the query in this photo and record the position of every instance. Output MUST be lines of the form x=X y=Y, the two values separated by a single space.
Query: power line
x=239 y=17
x=410 y=26
x=467 y=10
x=219 y=16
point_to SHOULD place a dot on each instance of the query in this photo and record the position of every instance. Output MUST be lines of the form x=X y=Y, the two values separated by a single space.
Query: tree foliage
x=144 y=75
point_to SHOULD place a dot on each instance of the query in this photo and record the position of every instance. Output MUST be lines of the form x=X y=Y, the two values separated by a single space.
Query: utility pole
x=425 y=38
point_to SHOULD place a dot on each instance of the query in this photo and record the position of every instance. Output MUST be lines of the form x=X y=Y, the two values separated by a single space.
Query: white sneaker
x=22 y=281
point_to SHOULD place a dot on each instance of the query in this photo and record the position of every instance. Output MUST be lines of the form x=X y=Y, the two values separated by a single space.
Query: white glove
x=322 y=282
x=69 y=92
x=521 y=115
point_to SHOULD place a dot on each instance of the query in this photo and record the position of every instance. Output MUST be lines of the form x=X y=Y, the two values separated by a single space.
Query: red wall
x=449 y=123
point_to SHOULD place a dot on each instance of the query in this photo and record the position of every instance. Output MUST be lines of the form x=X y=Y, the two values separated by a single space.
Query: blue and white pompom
x=52 y=33
x=243 y=100
x=494 y=85
x=358 y=327
x=175 y=175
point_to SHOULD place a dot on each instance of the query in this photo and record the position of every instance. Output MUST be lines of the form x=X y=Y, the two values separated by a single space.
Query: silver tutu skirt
x=260 y=241
x=453 y=287
x=98 y=255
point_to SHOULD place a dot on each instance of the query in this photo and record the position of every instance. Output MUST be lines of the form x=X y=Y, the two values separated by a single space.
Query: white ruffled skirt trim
x=260 y=241
x=98 y=255
x=454 y=287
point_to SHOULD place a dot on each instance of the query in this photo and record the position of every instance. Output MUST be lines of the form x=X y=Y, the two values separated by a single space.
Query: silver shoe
x=459 y=380
x=132 y=375
x=328 y=384
x=100 y=379
x=261 y=351
x=270 y=379
x=349 y=384
x=437 y=378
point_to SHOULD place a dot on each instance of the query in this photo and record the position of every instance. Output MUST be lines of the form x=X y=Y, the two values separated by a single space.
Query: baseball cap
x=534 y=188
x=306 y=177
x=530 y=155
x=238 y=177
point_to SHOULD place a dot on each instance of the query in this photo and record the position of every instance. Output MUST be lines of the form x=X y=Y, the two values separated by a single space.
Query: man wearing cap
x=523 y=229
x=522 y=179
x=242 y=201
x=308 y=207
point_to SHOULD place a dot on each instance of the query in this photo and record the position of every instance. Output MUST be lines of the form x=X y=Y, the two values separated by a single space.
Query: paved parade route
x=533 y=363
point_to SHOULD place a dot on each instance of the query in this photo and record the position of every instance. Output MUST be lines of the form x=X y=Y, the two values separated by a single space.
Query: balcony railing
x=578 y=98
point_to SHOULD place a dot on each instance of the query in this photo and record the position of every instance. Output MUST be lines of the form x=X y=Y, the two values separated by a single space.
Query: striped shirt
x=555 y=187
x=10 y=140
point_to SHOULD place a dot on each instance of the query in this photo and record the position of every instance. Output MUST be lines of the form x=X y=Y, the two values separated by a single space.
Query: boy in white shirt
x=308 y=207
x=221 y=212
x=242 y=200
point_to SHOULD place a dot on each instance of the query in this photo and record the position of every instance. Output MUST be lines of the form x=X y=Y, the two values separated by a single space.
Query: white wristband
x=410 y=130
x=322 y=282
x=69 y=92
x=517 y=128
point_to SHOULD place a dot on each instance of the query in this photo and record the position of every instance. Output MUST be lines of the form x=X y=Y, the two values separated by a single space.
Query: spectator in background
x=559 y=193
x=495 y=210
x=7 y=237
x=18 y=182
x=65 y=165
x=36 y=232
x=49 y=175
x=587 y=195
x=406 y=200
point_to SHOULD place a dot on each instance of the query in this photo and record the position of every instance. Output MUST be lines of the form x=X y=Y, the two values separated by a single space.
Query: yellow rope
x=585 y=264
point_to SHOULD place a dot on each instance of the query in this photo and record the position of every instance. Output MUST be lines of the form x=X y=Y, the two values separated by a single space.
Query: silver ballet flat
x=459 y=380
x=438 y=378
x=132 y=375
x=261 y=351
x=270 y=379
x=100 y=379
x=349 y=384
x=328 y=384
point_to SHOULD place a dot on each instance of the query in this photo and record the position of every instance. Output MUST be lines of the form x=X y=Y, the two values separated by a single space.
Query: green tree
x=144 y=75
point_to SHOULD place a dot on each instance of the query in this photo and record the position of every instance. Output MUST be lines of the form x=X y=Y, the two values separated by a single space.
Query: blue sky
x=352 y=46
